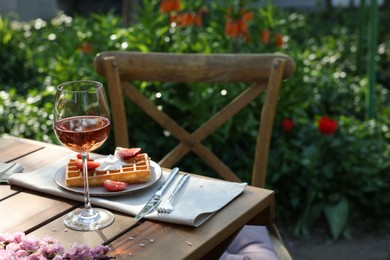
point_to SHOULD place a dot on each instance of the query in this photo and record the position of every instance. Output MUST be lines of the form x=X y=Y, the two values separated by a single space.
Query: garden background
x=329 y=162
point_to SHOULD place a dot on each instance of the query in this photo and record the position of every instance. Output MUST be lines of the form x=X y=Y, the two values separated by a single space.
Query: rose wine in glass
x=82 y=123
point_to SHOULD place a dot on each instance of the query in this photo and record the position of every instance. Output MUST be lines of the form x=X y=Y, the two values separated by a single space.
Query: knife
x=156 y=198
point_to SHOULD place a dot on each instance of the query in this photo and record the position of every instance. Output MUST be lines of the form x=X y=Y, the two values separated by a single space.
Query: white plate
x=101 y=191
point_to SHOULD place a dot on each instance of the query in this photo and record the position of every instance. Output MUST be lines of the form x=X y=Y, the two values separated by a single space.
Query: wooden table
x=41 y=215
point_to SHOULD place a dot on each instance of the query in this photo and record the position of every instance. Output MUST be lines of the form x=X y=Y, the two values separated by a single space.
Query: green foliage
x=334 y=176
x=341 y=178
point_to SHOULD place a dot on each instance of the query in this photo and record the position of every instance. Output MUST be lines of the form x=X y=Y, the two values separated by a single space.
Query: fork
x=166 y=206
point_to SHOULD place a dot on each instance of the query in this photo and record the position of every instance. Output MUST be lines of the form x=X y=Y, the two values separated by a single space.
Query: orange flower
x=186 y=19
x=279 y=40
x=175 y=5
x=247 y=16
x=242 y=25
x=232 y=29
x=198 y=19
x=265 y=35
x=237 y=28
x=237 y=25
x=173 y=18
x=85 y=47
x=167 y=6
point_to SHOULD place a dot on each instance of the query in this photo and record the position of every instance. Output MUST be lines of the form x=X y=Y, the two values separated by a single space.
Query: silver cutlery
x=166 y=206
x=156 y=198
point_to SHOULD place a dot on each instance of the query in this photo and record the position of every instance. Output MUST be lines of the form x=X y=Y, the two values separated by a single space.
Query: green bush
x=334 y=176
x=341 y=178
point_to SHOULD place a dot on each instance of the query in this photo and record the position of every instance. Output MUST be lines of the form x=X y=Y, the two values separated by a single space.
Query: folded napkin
x=197 y=202
x=7 y=169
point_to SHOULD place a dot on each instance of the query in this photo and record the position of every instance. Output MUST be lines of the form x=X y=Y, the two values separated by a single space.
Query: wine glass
x=82 y=123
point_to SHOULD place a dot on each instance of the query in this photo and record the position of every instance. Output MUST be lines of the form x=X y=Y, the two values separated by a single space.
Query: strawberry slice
x=127 y=153
x=91 y=165
x=114 y=185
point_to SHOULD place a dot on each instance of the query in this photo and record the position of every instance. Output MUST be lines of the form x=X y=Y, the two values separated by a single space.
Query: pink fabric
x=252 y=242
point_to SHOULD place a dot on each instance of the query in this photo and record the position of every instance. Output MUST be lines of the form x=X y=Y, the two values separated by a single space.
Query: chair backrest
x=264 y=71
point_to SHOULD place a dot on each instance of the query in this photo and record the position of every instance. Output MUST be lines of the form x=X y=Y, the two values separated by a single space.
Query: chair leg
x=278 y=243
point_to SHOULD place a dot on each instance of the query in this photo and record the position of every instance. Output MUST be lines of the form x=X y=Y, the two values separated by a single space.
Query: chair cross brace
x=192 y=142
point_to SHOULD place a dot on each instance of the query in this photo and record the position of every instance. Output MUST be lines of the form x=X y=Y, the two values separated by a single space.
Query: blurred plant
x=335 y=173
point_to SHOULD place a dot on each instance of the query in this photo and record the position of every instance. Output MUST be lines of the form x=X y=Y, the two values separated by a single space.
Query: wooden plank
x=36 y=155
x=11 y=148
x=39 y=158
x=43 y=157
x=26 y=211
x=192 y=67
x=152 y=240
x=6 y=191
x=117 y=103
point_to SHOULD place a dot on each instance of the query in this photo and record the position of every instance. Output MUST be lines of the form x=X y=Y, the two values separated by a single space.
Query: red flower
x=287 y=124
x=279 y=40
x=327 y=126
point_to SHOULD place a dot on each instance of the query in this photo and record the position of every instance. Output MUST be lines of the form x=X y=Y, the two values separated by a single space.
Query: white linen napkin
x=197 y=202
x=7 y=169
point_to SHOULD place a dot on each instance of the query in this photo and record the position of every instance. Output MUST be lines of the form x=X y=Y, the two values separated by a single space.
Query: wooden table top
x=42 y=215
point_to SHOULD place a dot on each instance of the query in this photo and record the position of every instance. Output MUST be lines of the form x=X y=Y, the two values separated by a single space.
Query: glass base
x=88 y=219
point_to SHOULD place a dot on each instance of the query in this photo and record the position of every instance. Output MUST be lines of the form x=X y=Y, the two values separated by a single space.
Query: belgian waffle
x=136 y=171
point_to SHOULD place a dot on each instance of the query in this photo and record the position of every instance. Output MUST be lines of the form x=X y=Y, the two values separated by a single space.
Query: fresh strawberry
x=114 y=185
x=91 y=165
x=127 y=153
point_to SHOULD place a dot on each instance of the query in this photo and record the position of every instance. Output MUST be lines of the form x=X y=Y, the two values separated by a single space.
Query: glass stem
x=87 y=200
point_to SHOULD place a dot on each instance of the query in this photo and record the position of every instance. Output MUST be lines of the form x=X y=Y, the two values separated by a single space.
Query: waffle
x=136 y=172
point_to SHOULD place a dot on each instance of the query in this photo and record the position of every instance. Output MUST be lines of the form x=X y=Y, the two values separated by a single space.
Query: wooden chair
x=265 y=71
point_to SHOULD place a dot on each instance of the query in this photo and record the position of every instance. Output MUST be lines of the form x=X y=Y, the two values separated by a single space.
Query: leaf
x=337 y=216
x=311 y=214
